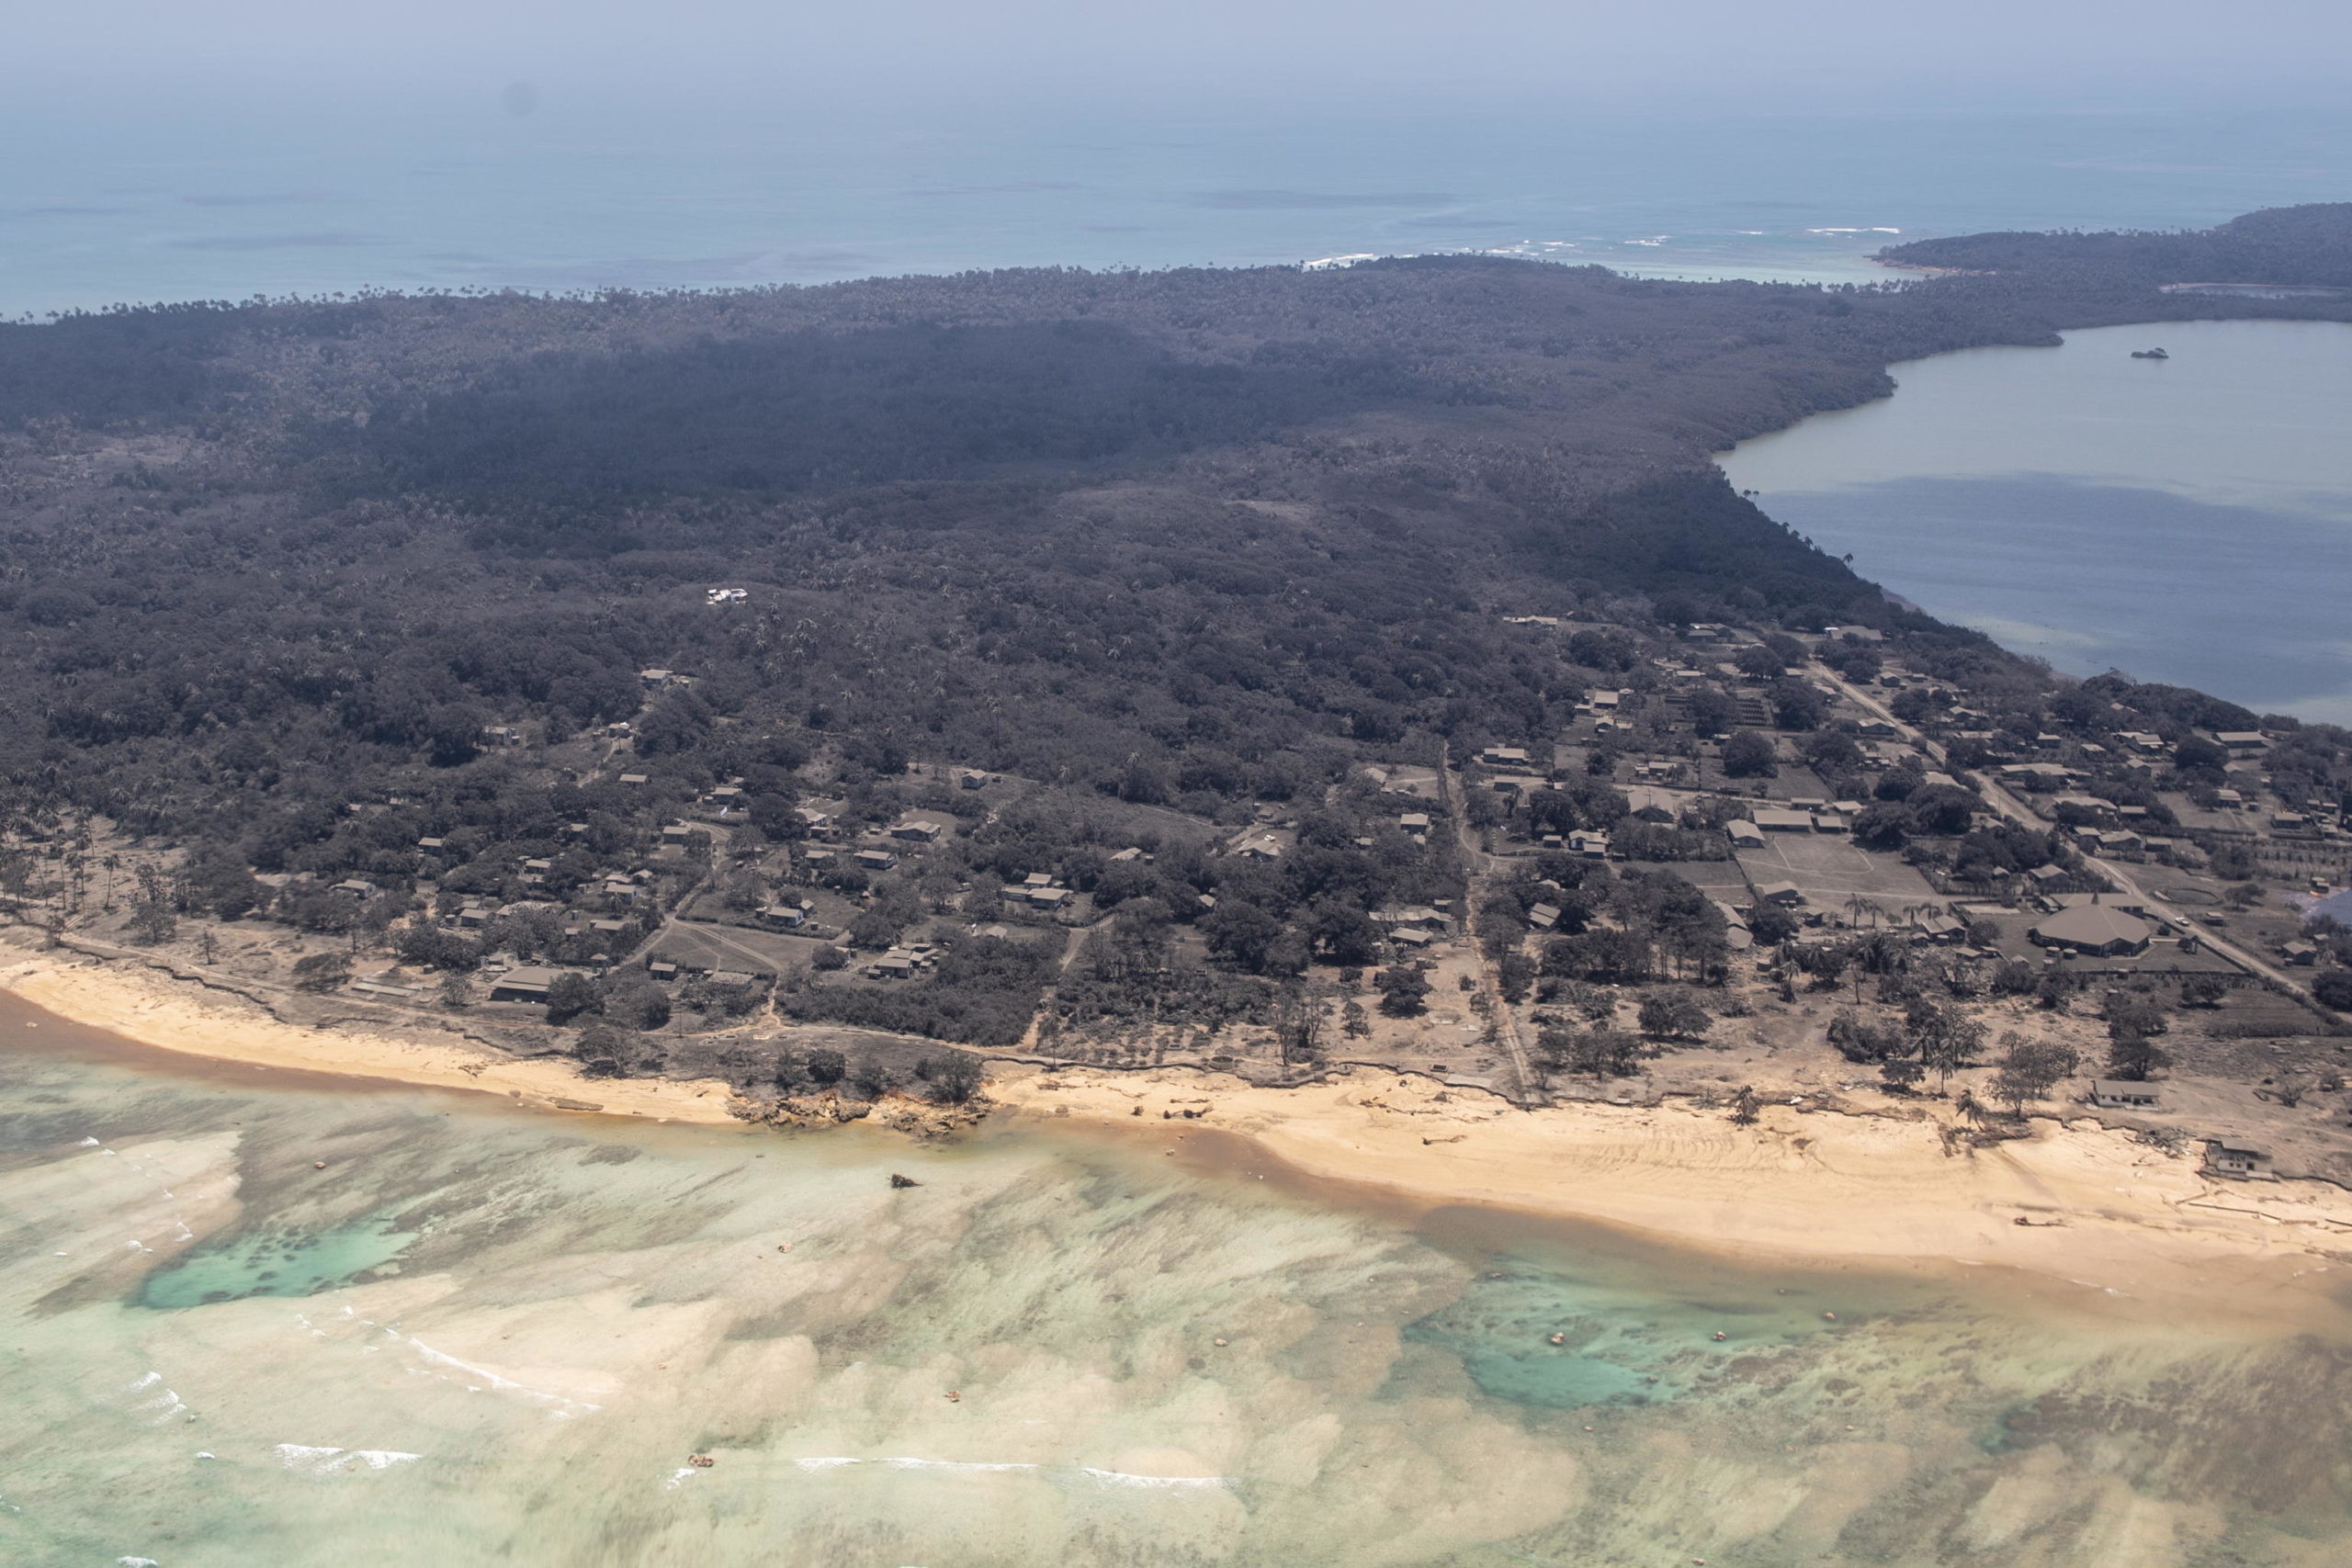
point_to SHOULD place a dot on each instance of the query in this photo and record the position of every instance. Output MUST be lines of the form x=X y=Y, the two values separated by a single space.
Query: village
x=1750 y=868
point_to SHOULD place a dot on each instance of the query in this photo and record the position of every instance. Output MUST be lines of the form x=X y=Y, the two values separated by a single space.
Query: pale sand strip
x=2104 y=1210
x=152 y=1009
x=2109 y=1213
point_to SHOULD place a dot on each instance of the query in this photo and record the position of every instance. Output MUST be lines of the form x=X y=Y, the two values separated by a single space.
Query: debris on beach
x=701 y=1461
x=898 y=1180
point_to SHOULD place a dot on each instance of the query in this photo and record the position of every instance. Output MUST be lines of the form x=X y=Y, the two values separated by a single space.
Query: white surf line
x=1106 y=1477
x=559 y=1406
x=166 y=1404
x=305 y=1460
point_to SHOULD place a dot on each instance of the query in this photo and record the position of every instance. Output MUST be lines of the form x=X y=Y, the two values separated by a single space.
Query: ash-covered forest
x=286 y=587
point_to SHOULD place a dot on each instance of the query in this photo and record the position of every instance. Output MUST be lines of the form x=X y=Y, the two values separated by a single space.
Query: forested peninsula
x=1104 y=666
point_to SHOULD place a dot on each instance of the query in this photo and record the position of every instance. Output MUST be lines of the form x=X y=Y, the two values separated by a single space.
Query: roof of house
x=2093 y=925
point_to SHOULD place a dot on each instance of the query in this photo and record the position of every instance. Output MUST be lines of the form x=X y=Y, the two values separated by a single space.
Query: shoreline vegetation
x=2076 y=1202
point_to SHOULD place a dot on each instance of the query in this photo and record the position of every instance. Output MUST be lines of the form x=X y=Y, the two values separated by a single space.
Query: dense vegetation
x=1191 y=540
x=2305 y=245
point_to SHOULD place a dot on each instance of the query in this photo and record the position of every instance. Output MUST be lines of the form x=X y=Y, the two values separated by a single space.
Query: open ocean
x=234 y=194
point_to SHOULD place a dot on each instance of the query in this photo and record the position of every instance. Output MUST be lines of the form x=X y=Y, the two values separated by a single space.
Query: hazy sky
x=2250 y=51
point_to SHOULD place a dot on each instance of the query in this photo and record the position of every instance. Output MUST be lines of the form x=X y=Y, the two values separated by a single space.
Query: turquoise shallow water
x=482 y=1337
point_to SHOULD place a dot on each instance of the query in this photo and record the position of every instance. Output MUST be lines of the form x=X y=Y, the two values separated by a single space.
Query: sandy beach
x=190 y=1019
x=2100 y=1208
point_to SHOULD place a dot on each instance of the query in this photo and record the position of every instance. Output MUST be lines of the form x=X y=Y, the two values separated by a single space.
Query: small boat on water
x=2150 y=353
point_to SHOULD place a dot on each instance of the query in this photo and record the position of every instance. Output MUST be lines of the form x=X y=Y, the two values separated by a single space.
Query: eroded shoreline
x=2075 y=1202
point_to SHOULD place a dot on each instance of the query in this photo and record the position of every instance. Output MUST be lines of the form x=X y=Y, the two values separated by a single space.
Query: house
x=972 y=778
x=790 y=917
x=816 y=822
x=675 y=833
x=1128 y=856
x=354 y=889
x=2100 y=930
x=385 y=988
x=1504 y=756
x=1517 y=784
x=2243 y=740
x=501 y=735
x=473 y=917
x=1591 y=845
x=654 y=679
x=1773 y=821
x=725 y=796
x=2115 y=1094
x=632 y=778
x=1650 y=805
x=876 y=860
x=528 y=984
x=660 y=969
x=917 y=832
x=1048 y=897
x=1415 y=823
x=1785 y=894
x=1745 y=835
x=1543 y=917
x=892 y=966
x=1936 y=927
x=2234 y=1156
x=1265 y=846
x=433 y=847
x=1877 y=729
x=726 y=595
x=2300 y=952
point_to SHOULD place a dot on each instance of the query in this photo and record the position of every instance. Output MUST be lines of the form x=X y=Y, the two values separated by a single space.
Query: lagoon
x=2186 y=520
x=499 y=1335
